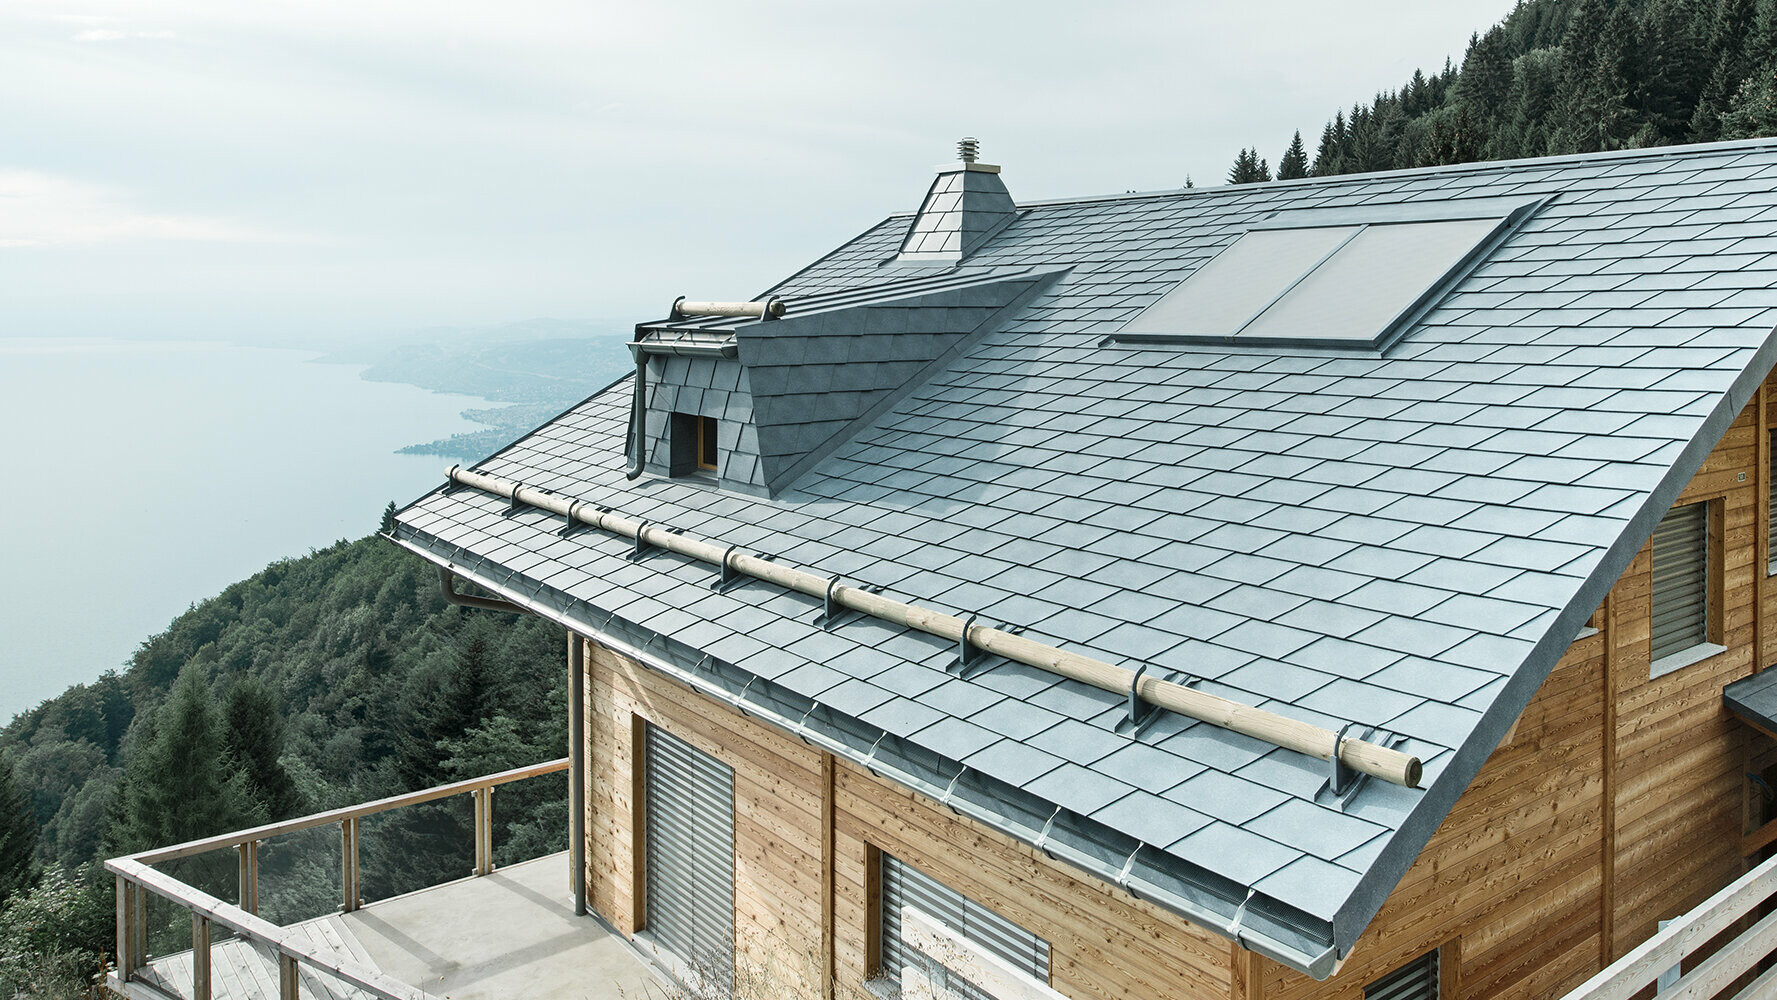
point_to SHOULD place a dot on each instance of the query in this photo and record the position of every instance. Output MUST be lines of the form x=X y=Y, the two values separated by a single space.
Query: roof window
x=1326 y=278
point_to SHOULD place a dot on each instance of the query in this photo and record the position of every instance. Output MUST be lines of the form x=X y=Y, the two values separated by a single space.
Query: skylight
x=1357 y=284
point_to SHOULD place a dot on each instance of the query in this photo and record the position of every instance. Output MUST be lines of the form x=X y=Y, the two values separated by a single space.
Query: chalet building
x=1315 y=589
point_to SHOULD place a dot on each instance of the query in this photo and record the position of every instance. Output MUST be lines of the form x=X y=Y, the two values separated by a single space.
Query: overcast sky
x=261 y=171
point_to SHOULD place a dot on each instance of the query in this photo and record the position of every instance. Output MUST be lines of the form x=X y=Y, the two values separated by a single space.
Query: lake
x=144 y=477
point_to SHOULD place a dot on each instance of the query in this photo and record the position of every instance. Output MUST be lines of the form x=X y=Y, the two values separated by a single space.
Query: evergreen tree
x=1294 y=161
x=1327 y=160
x=254 y=738
x=1249 y=168
x=388 y=524
x=1730 y=33
x=180 y=783
x=18 y=836
x=1486 y=75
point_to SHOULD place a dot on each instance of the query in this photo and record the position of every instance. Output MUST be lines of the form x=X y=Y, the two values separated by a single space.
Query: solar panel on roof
x=1353 y=285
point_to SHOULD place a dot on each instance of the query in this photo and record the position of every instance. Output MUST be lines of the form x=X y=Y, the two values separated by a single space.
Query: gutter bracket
x=1137 y=714
x=731 y=577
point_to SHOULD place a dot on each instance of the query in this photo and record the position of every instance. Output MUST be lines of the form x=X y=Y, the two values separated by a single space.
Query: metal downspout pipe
x=577 y=769
x=447 y=585
x=1358 y=755
x=635 y=443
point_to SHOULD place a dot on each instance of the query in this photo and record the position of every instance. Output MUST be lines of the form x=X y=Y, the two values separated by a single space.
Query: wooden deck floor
x=512 y=934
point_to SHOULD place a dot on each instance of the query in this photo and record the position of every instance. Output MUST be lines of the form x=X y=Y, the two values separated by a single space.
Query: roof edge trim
x=1249 y=918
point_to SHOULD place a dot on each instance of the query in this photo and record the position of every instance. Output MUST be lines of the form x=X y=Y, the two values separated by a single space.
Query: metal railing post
x=249 y=875
x=200 y=957
x=287 y=982
x=348 y=851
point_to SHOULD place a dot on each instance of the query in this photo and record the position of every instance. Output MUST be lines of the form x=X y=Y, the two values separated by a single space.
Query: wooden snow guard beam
x=1362 y=757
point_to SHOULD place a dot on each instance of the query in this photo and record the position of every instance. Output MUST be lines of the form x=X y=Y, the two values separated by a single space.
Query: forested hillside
x=325 y=680
x=1562 y=76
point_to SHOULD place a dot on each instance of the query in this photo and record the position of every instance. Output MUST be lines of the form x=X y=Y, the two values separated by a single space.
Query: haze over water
x=144 y=477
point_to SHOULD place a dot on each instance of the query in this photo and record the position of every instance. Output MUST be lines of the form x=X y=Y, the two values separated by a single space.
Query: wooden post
x=348 y=851
x=828 y=878
x=1607 y=853
x=249 y=875
x=126 y=930
x=200 y=957
x=139 y=923
x=577 y=771
x=287 y=981
x=484 y=831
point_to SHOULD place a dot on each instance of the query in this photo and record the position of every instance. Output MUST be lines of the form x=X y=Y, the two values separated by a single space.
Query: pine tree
x=1249 y=168
x=18 y=836
x=1730 y=35
x=388 y=524
x=180 y=783
x=1294 y=161
x=1486 y=75
x=254 y=738
x=1327 y=160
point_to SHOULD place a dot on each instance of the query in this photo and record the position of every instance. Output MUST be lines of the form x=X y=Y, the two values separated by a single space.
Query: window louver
x=1681 y=580
x=1417 y=980
x=904 y=885
x=1771 y=507
x=690 y=853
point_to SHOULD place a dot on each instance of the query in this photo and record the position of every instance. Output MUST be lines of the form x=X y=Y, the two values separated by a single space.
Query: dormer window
x=696 y=447
x=706 y=443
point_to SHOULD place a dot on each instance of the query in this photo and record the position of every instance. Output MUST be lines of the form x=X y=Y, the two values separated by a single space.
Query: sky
x=271 y=172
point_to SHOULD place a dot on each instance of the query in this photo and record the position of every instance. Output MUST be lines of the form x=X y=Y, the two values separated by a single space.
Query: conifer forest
x=342 y=676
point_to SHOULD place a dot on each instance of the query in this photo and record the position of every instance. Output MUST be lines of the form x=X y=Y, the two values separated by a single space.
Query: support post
x=139 y=921
x=287 y=981
x=348 y=852
x=249 y=875
x=127 y=959
x=200 y=957
x=577 y=770
x=484 y=831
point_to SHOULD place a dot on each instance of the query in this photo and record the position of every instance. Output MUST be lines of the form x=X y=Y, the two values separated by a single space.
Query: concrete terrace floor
x=511 y=935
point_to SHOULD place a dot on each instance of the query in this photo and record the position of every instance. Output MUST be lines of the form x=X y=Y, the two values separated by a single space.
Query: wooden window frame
x=707 y=430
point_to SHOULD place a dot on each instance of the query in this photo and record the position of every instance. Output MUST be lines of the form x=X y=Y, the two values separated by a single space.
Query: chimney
x=967 y=204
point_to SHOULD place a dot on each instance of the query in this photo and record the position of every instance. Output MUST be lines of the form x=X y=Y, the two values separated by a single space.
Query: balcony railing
x=138 y=879
x=1663 y=954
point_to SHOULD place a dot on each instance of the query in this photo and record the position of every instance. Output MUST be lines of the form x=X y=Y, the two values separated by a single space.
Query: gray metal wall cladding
x=905 y=885
x=690 y=862
x=1417 y=980
x=1681 y=580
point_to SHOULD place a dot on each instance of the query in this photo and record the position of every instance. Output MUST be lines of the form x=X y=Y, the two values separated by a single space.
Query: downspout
x=577 y=769
x=447 y=584
x=635 y=444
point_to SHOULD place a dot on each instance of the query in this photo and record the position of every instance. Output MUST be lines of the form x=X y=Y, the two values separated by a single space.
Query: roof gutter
x=1239 y=913
x=1355 y=754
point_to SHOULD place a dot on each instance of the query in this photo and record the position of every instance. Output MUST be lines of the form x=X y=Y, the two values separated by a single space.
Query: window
x=1682 y=631
x=1771 y=506
x=688 y=908
x=696 y=445
x=706 y=443
x=905 y=885
x=1358 y=284
x=1417 y=980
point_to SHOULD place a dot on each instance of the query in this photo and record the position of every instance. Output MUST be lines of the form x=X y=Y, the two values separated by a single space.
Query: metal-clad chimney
x=965 y=206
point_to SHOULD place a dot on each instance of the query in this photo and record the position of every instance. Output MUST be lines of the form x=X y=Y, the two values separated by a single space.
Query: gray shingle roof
x=1405 y=540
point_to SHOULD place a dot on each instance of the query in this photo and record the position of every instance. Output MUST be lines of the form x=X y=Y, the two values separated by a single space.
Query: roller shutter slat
x=690 y=852
x=1417 y=980
x=904 y=885
x=1680 y=599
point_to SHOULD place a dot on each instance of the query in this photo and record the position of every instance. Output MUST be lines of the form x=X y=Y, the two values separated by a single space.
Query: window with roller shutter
x=905 y=885
x=1680 y=599
x=1417 y=980
x=690 y=854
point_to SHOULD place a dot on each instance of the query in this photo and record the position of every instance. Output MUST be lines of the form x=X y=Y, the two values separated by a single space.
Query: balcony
x=515 y=931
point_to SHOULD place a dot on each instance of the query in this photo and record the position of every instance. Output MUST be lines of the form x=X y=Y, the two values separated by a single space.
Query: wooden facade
x=1616 y=801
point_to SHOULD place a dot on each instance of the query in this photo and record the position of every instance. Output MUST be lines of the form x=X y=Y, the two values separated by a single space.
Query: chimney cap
x=968 y=150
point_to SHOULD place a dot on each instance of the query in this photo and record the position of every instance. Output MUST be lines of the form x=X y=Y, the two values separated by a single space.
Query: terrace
x=518 y=930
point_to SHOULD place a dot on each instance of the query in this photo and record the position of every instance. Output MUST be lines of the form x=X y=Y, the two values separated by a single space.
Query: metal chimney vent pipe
x=968 y=148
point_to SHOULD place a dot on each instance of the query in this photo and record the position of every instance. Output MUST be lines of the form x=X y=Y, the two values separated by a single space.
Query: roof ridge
x=1472 y=167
